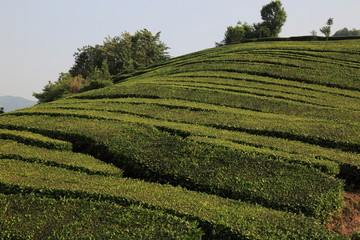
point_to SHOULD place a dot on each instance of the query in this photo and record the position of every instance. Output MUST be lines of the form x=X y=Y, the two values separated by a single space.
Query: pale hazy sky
x=38 y=37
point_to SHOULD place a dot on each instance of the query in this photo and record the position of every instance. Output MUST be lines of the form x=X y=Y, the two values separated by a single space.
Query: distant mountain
x=11 y=103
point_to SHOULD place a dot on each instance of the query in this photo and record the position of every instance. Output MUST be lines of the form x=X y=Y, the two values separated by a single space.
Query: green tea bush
x=337 y=156
x=34 y=139
x=33 y=217
x=147 y=153
x=164 y=117
x=220 y=218
x=225 y=172
x=333 y=135
x=64 y=159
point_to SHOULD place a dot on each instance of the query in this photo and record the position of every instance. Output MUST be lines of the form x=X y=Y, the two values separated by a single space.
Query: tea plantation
x=248 y=141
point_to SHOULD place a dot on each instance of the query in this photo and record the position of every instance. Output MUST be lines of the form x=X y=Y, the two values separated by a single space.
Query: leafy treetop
x=274 y=17
x=124 y=54
x=326 y=30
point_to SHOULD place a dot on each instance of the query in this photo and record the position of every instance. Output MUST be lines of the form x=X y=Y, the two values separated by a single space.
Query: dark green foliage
x=87 y=58
x=98 y=77
x=346 y=32
x=146 y=153
x=51 y=157
x=95 y=65
x=67 y=84
x=237 y=34
x=261 y=30
x=356 y=236
x=351 y=174
x=124 y=54
x=32 y=217
x=274 y=17
x=220 y=218
x=54 y=91
x=35 y=139
x=220 y=171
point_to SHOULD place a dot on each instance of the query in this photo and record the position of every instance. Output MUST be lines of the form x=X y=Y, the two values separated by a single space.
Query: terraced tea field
x=249 y=141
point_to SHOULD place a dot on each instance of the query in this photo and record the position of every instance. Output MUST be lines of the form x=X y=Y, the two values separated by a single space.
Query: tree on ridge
x=274 y=17
x=326 y=30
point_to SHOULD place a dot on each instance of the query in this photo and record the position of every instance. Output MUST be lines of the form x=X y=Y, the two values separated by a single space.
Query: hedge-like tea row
x=220 y=218
x=34 y=139
x=345 y=100
x=281 y=57
x=64 y=159
x=302 y=38
x=243 y=175
x=325 y=159
x=225 y=72
x=332 y=134
x=253 y=143
x=147 y=107
x=340 y=108
x=298 y=57
x=333 y=109
x=329 y=75
x=327 y=166
x=315 y=104
x=343 y=165
x=263 y=145
x=33 y=217
x=304 y=98
x=144 y=152
x=151 y=106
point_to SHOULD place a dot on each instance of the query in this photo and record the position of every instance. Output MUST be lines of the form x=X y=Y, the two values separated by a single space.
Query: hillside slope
x=255 y=141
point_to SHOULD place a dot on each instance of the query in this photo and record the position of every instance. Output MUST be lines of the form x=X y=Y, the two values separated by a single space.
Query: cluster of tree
x=273 y=16
x=124 y=53
x=95 y=65
x=346 y=32
x=326 y=30
x=1 y=109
